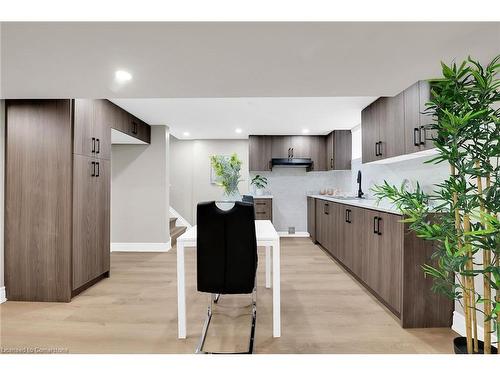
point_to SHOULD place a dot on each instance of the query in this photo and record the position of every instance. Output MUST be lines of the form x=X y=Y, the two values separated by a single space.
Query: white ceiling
x=261 y=77
x=218 y=118
x=178 y=60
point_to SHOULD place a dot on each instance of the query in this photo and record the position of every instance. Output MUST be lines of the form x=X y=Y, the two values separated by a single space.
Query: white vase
x=259 y=192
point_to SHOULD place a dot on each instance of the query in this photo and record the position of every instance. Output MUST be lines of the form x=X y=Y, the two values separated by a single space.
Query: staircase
x=175 y=231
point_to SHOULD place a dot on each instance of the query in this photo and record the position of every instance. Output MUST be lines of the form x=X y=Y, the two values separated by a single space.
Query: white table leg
x=181 y=292
x=276 y=290
x=268 y=266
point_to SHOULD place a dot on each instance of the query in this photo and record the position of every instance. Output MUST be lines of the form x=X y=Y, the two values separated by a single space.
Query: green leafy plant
x=260 y=182
x=227 y=169
x=461 y=215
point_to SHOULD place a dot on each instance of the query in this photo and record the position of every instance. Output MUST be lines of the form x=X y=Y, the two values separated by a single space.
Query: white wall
x=139 y=194
x=190 y=172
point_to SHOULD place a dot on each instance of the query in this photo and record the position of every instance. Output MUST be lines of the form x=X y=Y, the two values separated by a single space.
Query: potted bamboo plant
x=461 y=215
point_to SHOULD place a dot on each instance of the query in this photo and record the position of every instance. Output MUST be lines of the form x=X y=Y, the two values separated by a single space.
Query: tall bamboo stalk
x=486 y=275
x=497 y=294
x=466 y=295
x=470 y=281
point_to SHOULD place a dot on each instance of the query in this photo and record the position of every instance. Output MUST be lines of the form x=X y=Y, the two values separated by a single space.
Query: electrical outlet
x=291 y=230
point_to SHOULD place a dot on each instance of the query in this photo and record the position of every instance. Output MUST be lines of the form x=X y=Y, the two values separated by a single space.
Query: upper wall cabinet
x=263 y=148
x=393 y=126
x=339 y=150
x=259 y=151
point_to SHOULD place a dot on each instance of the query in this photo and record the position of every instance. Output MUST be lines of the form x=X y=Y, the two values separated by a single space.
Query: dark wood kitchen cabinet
x=259 y=153
x=339 y=150
x=264 y=148
x=263 y=208
x=385 y=256
x=394 y=126
x=57 y=219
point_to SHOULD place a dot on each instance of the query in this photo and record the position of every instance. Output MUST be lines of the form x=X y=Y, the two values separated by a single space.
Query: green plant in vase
x=260 y=182
x=461 y=215
x=227 y=169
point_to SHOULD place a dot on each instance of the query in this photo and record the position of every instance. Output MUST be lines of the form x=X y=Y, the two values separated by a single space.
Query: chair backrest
x=247 y=198
x=226 y=248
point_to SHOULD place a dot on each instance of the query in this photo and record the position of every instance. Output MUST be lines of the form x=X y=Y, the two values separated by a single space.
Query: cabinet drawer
x=263 y=209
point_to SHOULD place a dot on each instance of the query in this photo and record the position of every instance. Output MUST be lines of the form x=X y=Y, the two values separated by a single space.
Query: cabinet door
x=102 y=130
x=369 y=133
x=353 y=243
x=84 y=140
x=425 y=119
x=102 y=219
x=390 y=259
x=311 y=218
x=337 y=230
x=323 y=209
x=412 y=118
x=317 y=151
x=392 y=127
x=85 y=256
x=139 y=129
x=342 y=150
x=281 y=145
x=259 y=153
x=371 y=254
x=263 y=209
x=330 y=144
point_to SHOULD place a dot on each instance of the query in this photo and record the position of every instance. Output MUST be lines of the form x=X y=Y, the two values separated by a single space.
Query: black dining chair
x=226 y=257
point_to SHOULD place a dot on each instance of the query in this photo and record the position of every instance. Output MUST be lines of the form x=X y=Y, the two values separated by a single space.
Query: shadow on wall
x=128 y=154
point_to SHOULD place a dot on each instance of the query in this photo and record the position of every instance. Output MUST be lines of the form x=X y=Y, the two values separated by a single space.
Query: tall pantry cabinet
x=57 y=196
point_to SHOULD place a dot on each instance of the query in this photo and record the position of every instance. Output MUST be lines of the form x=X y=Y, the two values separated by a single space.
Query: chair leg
x=215 y=297
x=211 y=299
x=205 y=327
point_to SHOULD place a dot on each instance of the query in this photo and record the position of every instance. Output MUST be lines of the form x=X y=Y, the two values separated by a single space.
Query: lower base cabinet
x=381 y=252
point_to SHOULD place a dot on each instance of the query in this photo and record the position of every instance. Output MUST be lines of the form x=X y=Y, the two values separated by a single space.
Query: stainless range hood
x=292 y=162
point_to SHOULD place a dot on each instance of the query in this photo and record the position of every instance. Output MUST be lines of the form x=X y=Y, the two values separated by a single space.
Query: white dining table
x=266 y=237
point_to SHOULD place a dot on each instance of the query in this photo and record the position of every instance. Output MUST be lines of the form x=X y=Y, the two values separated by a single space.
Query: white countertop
x=262 y=196
x=364 y=203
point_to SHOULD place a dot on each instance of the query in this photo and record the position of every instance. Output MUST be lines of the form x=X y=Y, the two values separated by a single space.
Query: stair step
x=175 y=233
x=172 y=222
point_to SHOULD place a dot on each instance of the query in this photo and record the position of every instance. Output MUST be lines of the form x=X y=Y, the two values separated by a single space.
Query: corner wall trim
x=459 y=327
x=141 y=247
x=2 y=295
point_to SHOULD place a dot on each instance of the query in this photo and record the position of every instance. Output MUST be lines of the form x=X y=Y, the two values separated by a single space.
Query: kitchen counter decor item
x=260 y=182
x=464 y=115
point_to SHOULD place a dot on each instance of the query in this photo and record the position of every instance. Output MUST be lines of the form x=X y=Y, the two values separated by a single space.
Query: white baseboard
x=2 y=295
x=459 y=327
x=141 y=247
x=180 y=220
x=296 y=234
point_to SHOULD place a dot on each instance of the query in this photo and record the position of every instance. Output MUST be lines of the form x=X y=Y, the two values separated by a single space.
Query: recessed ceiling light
x=305 y=131
x=185 y=134
x=122 y=76
x=238 y=130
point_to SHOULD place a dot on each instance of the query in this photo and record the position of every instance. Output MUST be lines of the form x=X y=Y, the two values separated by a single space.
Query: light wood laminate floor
x=324 y=310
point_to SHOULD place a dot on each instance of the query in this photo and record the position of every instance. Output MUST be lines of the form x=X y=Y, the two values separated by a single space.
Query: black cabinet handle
x=93 y=145
x=348 y=216
x=331 y=163
x=93 y=169
x=292 y=152
x=375 y=221
x=288 y=153
x=326 y=209
x=98 y=169
x=420 y=138
x=379 y=148
x=98 y=145
x=415 y=133
x=379 y=219
x=134 y=127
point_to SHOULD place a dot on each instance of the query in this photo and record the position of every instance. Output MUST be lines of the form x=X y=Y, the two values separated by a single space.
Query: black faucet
x=360 y=192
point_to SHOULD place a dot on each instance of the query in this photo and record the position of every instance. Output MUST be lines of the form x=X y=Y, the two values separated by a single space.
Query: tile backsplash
x=290 y=186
